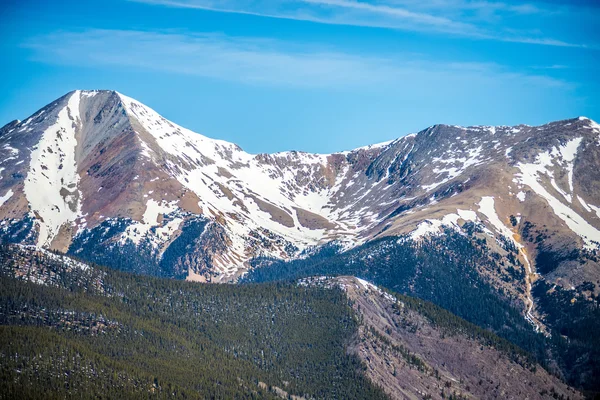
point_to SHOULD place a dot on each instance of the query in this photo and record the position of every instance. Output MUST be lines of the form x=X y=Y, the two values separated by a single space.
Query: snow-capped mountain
x=98 y=174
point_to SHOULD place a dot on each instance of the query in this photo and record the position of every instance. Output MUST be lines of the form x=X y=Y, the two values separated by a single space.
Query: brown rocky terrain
x=416 y=354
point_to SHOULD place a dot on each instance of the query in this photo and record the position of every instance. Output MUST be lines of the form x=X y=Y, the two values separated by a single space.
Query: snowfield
x=52 y=182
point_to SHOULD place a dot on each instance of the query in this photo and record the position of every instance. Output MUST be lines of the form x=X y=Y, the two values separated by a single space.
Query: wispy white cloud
x=473 y=19
x=258 y=61
x=457 y=7
x=250 y=60
x=552 y=67
x=335 y=12
x=394 y=12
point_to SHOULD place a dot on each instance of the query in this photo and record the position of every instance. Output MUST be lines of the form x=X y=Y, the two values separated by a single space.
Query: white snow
x=531 y=175
x=89 y=93
x=425 y=228
x=454 y=166
x=53 y=169
x=366 y=285
x=136 y=231
x=584 y=204
x=521 y=196
x=569 y=152
x=372 y=146
x=12 y=150
x=596 y=209
x=210 y=165
x=487 y=208
x=166 y=232
x=13 y=154
x=6 y=196
x=235 y=186
x=434 y=226
x=559 y=190
x=369 y=287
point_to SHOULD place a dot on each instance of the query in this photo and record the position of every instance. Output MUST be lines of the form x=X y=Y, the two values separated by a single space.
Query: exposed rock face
x=93 y=161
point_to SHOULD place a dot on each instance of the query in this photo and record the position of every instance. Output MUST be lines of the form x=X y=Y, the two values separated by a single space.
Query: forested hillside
x=74 y=330
x=71 y=331
x=446 y=270
x=451 y=271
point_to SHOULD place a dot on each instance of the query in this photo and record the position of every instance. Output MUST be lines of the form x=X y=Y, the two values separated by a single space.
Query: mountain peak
x=593 y=124
x=95 y=160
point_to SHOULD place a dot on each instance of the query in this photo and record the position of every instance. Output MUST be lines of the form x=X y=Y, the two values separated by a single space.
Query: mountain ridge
x=130 y=163
x=13 y=123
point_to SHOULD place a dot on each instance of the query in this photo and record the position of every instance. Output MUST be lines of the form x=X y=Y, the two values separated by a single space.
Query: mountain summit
x=99 y=175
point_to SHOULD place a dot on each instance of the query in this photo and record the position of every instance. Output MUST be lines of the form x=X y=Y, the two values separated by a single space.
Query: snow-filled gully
x=486 y=207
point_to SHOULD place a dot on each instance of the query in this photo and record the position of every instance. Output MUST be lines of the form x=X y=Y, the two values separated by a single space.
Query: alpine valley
x=456 y=262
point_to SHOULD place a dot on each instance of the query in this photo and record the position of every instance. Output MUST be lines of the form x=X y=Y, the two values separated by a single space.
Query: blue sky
x=311 y=75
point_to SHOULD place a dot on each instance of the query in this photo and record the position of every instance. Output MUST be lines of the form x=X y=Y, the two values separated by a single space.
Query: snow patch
x=136 y=231
x=454 y=166
x=487 y=208
x=51 y=185
x=584 y=204
x=531 y=175
x=229 y=181
x=369 y=287
x=7 y=196
x=596 y=209
x=434 y=226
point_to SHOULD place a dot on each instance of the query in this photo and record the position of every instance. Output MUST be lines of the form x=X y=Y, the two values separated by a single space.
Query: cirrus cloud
x=259 y=61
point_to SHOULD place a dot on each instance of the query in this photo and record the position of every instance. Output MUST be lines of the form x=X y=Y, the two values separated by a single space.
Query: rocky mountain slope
x=416 y=350
x=97 y=173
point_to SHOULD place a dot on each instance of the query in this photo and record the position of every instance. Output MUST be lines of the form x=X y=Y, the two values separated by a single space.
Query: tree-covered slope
x=448 y=270
x=73 y=330
x=68 y=330
x=459 y=272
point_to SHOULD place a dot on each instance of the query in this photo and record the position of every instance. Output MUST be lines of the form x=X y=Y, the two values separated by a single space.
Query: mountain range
x=95 y=159
x=499 y=225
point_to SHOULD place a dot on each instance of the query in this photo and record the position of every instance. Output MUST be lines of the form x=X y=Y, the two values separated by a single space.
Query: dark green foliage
x=190 y=232
x=445 y=270
x=547 y=260
x=573 y=316
x=95 y=246
x=441 y=269
x=532 y=234
x=164 y=338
